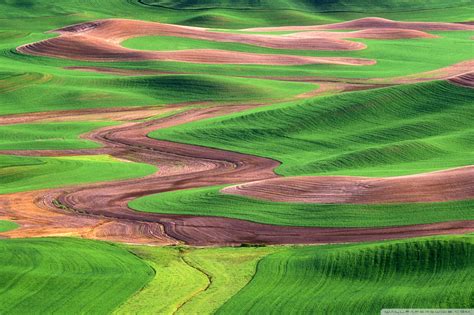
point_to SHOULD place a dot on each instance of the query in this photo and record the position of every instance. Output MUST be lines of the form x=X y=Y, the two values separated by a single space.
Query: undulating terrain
x=236 y=157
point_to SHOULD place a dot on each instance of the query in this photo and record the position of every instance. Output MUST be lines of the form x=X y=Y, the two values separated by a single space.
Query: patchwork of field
x=258 y=157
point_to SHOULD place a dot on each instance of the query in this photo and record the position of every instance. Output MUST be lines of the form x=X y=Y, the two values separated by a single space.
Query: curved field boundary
x=208 y=201
x=25 y=173
x=193 y=280
x=390 y=131
x=36 y=219
x=466 y=80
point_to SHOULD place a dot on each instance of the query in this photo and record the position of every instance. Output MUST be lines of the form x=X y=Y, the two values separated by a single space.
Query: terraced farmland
x=236 y=157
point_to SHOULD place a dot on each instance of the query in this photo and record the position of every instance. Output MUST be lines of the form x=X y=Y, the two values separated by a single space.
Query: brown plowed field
x=447 y=185
x=38 y=220
x=466 y=80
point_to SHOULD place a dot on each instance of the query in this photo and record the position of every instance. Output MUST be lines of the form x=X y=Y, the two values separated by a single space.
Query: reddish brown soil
x=466 y=80
x=447 y=185
x=38 y=220
x=372 y=33
x=35 y=220
x=83 y=48
x=219 y=231
x=371 y=23
x=100 y=41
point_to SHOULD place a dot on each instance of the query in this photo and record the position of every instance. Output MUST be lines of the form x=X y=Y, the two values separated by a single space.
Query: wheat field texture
x=236 y=157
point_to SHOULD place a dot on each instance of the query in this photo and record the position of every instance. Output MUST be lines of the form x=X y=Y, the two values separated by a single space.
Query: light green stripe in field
x=191 y=280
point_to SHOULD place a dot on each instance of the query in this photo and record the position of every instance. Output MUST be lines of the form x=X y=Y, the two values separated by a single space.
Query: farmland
x=343 y=134
x=236 y=157
x=313 y=271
